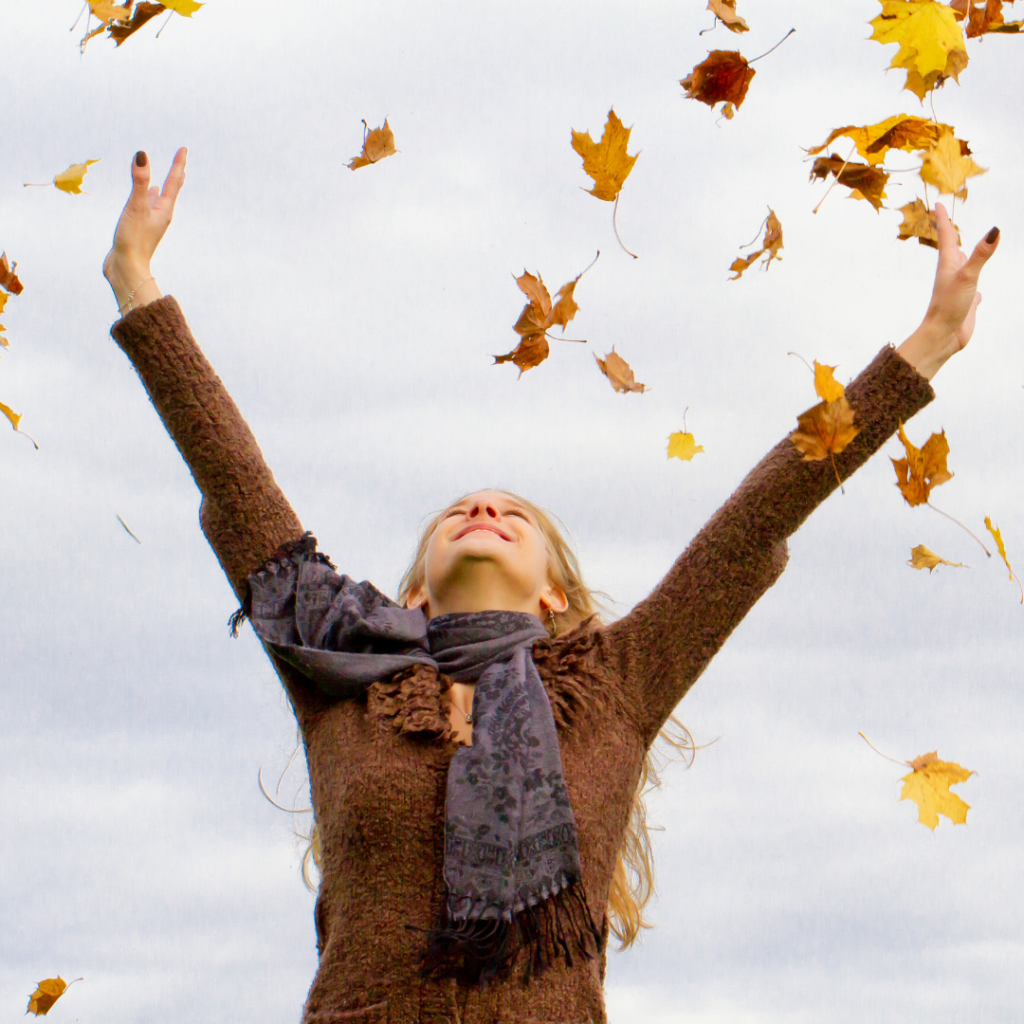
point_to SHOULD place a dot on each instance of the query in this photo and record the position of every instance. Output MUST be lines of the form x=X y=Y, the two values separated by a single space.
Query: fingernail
x=140 y=159
x=992 y=236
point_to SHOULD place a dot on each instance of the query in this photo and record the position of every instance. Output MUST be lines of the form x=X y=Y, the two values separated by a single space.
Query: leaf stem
x=581 y=341
x=589 y=265
x=700 y=33
x=802 y=360
x=164 y=25
x=961 y=525
x=615 y=227
x=877 y=751
x=775 y=47
x=85 y=7
x=758 y=235
x=836 y=181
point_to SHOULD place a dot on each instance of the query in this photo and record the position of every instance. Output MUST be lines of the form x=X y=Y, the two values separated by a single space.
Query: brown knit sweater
x=378 y=765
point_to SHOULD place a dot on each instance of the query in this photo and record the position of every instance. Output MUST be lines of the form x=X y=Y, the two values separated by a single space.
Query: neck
x=482 y=592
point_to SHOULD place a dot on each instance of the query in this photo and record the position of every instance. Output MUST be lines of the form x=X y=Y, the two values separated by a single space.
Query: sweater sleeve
x=661 y=647
x=244 y=515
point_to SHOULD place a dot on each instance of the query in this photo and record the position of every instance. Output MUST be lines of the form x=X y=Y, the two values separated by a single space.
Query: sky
x=353 y=316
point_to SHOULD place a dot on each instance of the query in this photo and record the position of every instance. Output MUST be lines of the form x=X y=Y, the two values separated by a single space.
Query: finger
x=140 y=180
x=947 y=233
x=175 y=177
x=983 y=251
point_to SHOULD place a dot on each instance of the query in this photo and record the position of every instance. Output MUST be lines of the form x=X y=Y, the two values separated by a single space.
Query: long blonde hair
x=632 y=883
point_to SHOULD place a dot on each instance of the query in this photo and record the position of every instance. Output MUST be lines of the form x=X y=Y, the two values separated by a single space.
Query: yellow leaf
x=924 y=558
x=46 y=994
x=998 y=538
x=107 y=10
x=71 y=179
x=922 y=468
x=928 y=786
x=186 y=8
x=725 y=12
x=932 y=45
x=873 y=141
x=3 y=301
x=681 y=446
x=827 y=387
x=947 y=169
x=618 y=372
x=919 y=222
x=10 y=414
x=377 y=144
x=607 y=161
x=3 y=340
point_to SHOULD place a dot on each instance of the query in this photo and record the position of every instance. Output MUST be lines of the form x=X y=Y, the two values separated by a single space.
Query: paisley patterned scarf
x=511 y=861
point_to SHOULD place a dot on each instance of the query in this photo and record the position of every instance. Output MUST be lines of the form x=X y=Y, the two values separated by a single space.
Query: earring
x=551 y=616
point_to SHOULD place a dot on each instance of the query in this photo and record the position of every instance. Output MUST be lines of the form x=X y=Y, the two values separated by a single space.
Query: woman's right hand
x=145 y=218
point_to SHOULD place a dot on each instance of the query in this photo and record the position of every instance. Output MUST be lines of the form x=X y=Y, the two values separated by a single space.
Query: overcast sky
x=353 y=316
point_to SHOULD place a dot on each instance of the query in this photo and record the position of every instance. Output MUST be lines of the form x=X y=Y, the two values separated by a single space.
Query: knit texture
x=378 y=765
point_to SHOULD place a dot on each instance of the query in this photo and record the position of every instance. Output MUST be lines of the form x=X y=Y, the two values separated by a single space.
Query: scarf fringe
x=305 y=547
x=478 y=951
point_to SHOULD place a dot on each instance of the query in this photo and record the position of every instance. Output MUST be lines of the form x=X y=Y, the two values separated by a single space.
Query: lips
x=471 y=527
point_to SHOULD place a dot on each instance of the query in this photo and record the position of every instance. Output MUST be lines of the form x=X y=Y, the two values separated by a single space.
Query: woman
x=475 y=752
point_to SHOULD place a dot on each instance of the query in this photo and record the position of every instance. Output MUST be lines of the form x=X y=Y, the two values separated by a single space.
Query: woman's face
x=487 y=553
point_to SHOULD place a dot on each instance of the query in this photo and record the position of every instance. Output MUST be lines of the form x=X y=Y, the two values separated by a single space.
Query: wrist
x=927 y=349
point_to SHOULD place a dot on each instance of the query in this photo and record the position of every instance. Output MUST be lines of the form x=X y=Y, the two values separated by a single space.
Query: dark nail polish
x=992 y=236
x=140 y=159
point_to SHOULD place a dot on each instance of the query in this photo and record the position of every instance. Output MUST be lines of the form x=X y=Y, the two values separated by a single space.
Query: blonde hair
x=632 y=883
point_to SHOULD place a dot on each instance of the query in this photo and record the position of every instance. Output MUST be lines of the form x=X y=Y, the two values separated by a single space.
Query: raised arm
x=244 y=514
x=664 y=644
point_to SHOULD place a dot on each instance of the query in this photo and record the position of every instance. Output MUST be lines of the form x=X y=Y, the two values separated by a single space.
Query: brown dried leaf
x=619 y=373
x=607 y=161
x=377 y=144
x=825 y=430
x=725 y=12
x=922 y=468
x=873 y=141
x=725 y=75
x=865 y=181
x=120 y=31
x=8 y=278
x=984 y=16
x=771 y=245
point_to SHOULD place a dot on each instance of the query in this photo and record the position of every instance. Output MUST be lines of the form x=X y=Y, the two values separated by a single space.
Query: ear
x=418 y=599
x=553 y=597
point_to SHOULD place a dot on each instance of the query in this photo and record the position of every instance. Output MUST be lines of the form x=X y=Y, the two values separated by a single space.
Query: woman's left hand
x=949 y=322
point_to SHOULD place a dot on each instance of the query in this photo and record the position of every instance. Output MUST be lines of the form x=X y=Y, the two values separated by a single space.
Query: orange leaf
x=725 y=75
x=984 y=16
x=618 y=372
x=919 y=223
x=530 y=352
x=867 y=182
x=8 y=278
x=998 y=538
x=607 y=161
x=825 y=384
x=48 y=991
x=10 y=414
x=825 y=430
x=725 y=12
x=873 y=141
x=922 y=468
x=771 y=245
x=377 y=144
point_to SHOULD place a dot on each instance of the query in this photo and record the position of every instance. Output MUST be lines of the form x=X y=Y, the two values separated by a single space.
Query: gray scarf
x=511 y=861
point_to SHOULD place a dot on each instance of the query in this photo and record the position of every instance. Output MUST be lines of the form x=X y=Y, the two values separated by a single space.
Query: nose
x=483 y=509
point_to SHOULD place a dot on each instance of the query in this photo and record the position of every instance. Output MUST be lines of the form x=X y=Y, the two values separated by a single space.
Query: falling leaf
x=681 y=446
x=771 y=245
x=618 y=372
x=873 y=141
x=106 y=10
x=377 y=144
x=539 y=315
x=46 y=994
x=120 y=31
x=928 y=786
x=186 y=8
x=825 y=430
x=919 y=222
x=825 y=384
x=924 y=558
x=984 y=17
x=998 y=538
x=607 y=161
x=947 y=169
x=69 y=180
x=725 y=12
x=8 y=278
x=10 y=414
x=932 y=45
x=922 y=468
x=725 y=75
x=867 y=182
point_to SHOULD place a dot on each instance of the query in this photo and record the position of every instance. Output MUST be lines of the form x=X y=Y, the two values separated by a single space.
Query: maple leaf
x=825 y=384
x=725 y=75
x=619 y=373
x=984 y=17
x=945 y=167
x=67 y=181
x=867 y=182
x=186 y=8
x=377 y=144
x=922 y=468
x=919 y=223
x=120 y=31
x=873 y=141
x=725 y=12
x=771 y=245
x=607 y=161
x=681 y=446
x=932 y=45
x=107 y=10
x=47 y=992
x=928 y=786
x=8 y=278
x=539 y=315
x=924 y=558
x=998 y=538
x=825 y=430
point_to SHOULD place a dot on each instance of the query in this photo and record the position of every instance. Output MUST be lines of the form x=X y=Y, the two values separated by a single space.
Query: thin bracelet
x=121 y=309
